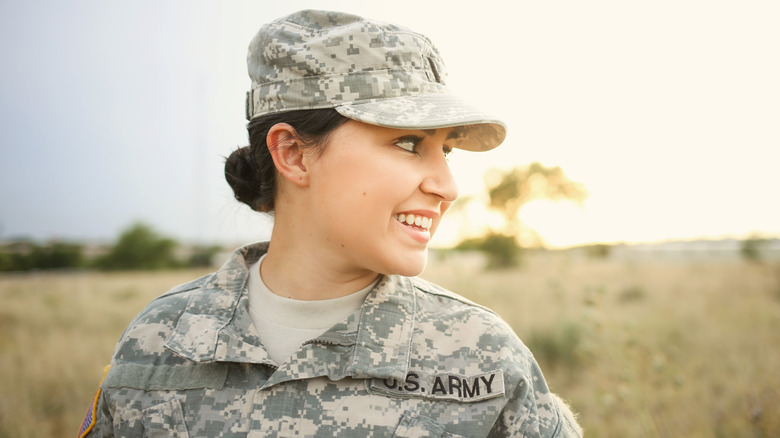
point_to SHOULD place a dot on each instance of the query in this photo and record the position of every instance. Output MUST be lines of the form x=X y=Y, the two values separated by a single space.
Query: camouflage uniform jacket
x=415 y=361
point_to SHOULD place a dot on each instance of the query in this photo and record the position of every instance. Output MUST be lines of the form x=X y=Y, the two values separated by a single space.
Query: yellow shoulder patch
x=89 y=419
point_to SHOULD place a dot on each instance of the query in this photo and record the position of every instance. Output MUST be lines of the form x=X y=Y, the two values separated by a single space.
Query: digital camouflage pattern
x=415 y=361
x=370 y=71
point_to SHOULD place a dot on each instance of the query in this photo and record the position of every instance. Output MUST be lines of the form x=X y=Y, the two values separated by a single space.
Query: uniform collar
x=384 y=337
x=216 y=327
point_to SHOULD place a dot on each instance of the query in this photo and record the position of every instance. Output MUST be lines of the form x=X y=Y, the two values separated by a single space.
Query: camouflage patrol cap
x=369 y=71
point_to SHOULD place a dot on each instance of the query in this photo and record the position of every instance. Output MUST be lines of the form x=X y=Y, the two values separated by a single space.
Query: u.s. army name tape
x=447 y=386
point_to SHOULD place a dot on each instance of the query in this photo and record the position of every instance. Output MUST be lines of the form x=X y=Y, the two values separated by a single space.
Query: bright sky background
x=668 y=111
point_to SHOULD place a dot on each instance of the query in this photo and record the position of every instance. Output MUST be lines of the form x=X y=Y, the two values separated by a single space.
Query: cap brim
x=481 y=132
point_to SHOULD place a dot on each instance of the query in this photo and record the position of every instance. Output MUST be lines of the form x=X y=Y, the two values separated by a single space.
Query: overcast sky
x=668 y=112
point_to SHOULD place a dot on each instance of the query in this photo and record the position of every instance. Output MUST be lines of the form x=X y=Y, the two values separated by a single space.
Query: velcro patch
x=443 y=386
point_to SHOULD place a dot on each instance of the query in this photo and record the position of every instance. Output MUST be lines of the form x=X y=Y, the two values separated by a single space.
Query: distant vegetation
x=753 y=248
x=25 y=256
x=507 y=193
x=139 y=247
x=644 y=348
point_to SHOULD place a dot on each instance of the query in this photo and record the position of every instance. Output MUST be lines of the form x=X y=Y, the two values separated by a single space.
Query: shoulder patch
x=443 y=386
x=89 y=419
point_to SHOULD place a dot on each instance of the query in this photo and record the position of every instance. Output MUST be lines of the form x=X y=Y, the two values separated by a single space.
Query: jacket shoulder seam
x=186 y=287
x=432 y=289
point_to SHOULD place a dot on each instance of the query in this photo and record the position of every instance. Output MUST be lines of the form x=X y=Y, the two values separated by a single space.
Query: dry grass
x=57 y=333
x=657 y=349
x=640 y=350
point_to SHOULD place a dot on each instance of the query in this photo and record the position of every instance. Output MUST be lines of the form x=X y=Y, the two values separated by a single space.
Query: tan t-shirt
x=284 y=324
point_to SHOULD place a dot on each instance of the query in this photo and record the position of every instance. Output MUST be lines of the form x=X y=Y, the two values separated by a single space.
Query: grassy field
x=650 y=349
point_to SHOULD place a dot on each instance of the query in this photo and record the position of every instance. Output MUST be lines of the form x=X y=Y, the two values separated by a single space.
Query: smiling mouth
x=415 y=221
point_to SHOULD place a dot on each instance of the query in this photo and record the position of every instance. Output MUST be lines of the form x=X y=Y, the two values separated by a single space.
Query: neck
x=303 y=271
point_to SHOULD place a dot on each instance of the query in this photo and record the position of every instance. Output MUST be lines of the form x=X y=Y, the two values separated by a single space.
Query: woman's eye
x=407 y=145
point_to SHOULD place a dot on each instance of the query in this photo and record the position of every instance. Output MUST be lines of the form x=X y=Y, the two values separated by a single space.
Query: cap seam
x=327 y=104
x=448 y=120
x=355 y=73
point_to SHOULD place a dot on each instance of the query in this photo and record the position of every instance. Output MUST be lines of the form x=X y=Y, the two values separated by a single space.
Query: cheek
x=373 y=187
x=354 y=197
x=361 y=185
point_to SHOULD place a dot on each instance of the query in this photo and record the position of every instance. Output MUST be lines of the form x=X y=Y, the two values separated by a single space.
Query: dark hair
x=250 y=170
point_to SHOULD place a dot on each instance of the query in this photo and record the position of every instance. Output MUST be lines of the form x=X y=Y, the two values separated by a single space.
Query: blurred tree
x=140 y=247
x=16 y=256
x=597 y=251
x=521 y=185
x=7 y=262
x=501 y=250
x=203 y=256
x=753 y=247
x=57 y=255
x=25 y=255
x=507 y=193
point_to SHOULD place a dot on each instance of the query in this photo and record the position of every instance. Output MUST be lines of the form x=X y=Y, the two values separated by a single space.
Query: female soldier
x=324 y=331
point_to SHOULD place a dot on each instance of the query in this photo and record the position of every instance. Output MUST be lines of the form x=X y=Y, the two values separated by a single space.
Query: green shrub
x=630 y=294
x=203 y=256
x=557 y=346
x=26 y=255
x=752 y=248
x=502 y=251
x=140 y=247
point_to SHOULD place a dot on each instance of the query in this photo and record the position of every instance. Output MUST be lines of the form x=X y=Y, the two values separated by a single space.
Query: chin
x=409 y=268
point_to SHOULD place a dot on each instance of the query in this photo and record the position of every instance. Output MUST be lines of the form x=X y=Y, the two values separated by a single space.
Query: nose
x=439 y=180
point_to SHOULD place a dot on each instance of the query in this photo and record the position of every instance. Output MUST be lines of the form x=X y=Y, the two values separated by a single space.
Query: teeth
x=415 y=220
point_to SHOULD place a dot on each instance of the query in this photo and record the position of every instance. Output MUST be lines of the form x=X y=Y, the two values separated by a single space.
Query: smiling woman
x=347 y=199
x=325 y=330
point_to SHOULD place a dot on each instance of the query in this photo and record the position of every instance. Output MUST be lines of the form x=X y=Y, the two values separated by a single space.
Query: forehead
x=449 y=134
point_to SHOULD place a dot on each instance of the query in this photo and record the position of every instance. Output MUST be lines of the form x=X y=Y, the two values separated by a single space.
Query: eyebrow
x=455 y=133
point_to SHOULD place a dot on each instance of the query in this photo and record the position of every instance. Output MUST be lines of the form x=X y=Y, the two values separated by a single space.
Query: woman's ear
x=287 y=153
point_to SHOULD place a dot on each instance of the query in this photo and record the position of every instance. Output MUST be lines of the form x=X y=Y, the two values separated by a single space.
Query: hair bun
x=243 y=177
